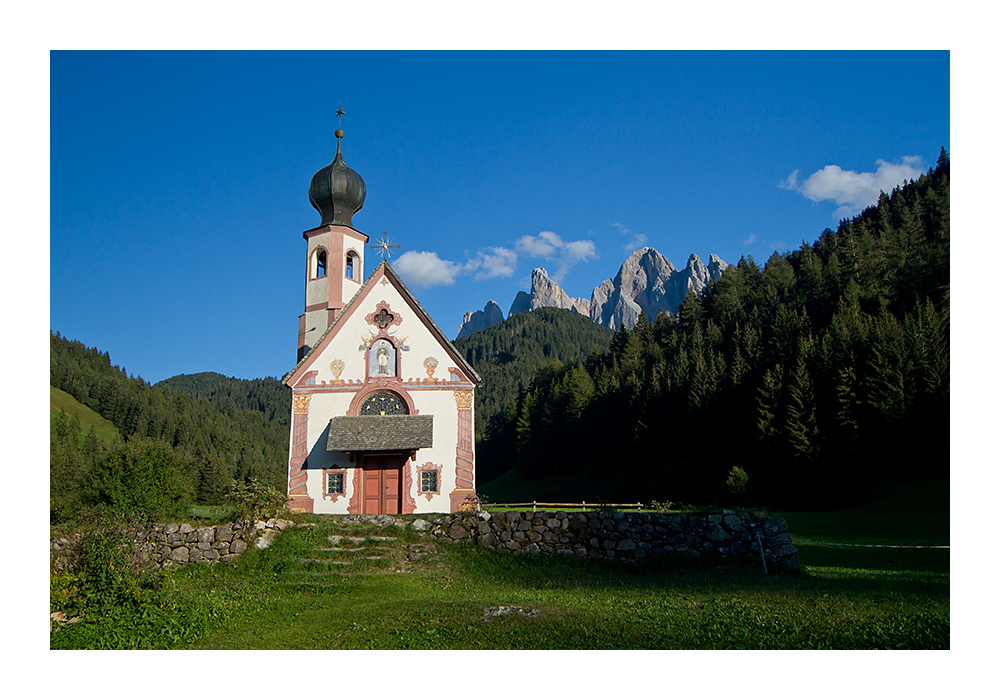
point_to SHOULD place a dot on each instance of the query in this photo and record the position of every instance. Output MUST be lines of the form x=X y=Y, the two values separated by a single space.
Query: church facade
x=382 y=403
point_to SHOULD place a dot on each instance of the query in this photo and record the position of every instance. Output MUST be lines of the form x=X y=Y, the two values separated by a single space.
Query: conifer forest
x=823 y=374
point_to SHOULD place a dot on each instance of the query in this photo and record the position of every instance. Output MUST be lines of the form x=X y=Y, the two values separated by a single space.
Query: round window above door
x=384 y=403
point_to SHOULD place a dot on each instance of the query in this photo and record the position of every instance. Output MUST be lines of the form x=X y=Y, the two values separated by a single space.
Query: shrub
x=256 y=500
x=737 y=480
x=142 y=477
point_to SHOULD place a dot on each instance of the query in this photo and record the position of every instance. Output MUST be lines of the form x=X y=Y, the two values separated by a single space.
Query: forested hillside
x=506 y=354
x=268 y=396
x=823 y=375
x=182 y=447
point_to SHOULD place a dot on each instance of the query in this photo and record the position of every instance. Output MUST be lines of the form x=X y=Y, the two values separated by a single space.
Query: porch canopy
x=380 y=433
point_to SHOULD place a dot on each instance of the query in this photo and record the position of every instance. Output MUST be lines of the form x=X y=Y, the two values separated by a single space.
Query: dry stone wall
x=627 y=536
x=175 y=544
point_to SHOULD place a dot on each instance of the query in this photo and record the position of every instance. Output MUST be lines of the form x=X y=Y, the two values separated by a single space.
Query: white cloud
x=751 y=239
x=544 y=245
x=491 y=263
x=423 y=269
x=850 y=190
x=638 y=239
x=550 y=246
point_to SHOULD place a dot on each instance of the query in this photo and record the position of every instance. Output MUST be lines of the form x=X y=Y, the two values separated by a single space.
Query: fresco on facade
x=382 y=359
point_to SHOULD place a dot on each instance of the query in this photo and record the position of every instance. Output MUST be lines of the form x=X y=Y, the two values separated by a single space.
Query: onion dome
x=336 y=191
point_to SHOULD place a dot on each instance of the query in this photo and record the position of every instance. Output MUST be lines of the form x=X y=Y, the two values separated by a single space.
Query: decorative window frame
x=429 y=467
x=375 y=386
x=334 y=497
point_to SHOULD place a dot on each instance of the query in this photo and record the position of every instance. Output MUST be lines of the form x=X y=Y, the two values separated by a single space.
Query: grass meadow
x=393 y=588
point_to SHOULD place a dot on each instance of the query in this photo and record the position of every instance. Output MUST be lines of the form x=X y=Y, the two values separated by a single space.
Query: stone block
x=206 y=534
x=719 y=534
x=224 y=533
x=237 y=546
x=180 y=554
x=185 y=528
x=196 y=555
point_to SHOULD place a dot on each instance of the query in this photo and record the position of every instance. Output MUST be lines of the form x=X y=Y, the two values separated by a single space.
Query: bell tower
x=335 y=251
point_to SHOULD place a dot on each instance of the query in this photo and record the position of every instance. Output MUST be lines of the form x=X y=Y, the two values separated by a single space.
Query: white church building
x=382 y=403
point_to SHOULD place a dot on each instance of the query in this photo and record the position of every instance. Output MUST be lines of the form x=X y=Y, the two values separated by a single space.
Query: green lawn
x=294 y=596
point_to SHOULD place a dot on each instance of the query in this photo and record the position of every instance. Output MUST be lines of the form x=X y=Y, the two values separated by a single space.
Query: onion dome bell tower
x=335 y=254
x=336 y=191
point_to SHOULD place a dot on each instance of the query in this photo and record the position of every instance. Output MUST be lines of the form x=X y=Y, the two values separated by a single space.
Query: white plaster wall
x=429 y=398
x=317 y=290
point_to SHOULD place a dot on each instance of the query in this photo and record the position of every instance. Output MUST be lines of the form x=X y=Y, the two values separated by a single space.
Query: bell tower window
x=350 y=266
x=319 y=264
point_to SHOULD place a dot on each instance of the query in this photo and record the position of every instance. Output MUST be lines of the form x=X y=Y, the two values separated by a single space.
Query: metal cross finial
x=384 y=245
x=340 y=114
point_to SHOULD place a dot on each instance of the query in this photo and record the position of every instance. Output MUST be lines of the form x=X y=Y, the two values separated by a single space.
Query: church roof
x=380 y=433
x=336 y=191
x=386 y=271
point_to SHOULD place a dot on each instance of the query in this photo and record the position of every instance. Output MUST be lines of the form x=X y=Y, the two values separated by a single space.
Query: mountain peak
x=647 y=282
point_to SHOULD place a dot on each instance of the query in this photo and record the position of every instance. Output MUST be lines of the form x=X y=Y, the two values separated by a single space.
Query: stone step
x=339 y=549
x=337 y=539
x=323 y=561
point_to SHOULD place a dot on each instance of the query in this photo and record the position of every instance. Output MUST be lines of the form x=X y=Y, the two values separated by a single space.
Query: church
x=382 y=402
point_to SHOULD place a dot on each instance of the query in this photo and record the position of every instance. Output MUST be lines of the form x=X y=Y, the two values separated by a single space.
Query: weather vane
x=340 y=115
x=384 y=245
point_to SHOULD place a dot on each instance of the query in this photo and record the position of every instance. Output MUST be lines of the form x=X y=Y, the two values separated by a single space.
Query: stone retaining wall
x=175 y=544
x=627 y=536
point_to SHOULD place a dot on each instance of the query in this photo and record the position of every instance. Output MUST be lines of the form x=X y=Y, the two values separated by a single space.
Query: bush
x=737 y=480
x=143 y=477
x=256 y=500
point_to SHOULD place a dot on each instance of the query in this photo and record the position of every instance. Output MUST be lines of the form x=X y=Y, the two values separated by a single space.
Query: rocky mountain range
x=646 y=282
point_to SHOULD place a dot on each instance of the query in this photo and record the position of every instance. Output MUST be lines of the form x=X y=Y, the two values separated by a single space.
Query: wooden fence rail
x=584 y=505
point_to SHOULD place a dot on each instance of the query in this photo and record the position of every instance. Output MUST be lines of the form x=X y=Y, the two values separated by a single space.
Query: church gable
x=382 y=334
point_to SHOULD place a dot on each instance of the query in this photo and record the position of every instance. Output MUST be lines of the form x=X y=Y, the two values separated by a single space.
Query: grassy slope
x=61 y=401
x=864 y=599
x=291 y=596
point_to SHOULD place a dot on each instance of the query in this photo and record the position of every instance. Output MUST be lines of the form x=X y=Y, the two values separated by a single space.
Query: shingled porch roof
x=380 y=433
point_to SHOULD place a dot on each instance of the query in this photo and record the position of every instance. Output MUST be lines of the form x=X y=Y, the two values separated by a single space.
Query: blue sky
x=179 y=180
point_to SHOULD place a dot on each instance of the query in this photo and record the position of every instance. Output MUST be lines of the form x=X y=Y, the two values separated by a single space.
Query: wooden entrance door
x=382 y=483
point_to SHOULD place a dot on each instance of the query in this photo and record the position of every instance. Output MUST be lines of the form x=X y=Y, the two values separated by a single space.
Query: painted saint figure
x=382 y=359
